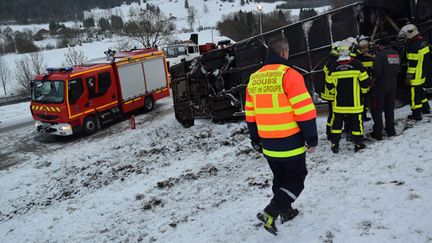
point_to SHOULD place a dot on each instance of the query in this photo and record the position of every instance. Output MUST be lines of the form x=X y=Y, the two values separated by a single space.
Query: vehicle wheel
x=149 y=103
x=90 y=125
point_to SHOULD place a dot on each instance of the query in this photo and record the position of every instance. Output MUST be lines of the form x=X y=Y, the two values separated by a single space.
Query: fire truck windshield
x=48 y=91
x=175 y=51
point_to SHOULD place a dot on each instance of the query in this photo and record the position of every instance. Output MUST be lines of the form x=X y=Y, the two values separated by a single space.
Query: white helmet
x=352 y=40
x=408 y=32
x=335 y=45
x=344 y=50
x=364 y=43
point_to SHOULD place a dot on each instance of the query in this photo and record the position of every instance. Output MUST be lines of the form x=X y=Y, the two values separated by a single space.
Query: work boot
x=335 y=148
x=359 y=146
x=288 y=214
x=269 y=222
x=416 y=115
x=390 y=132
x=376 y=136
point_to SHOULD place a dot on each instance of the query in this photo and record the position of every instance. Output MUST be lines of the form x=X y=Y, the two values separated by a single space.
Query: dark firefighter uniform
x=368 y=62
x=348 y=80
x=418 y=62
x=325 y=95
x=281 y=117
x=383 y=90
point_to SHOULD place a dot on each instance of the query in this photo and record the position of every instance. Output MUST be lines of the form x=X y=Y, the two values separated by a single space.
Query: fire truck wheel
x=148 y=103
x=90 y=125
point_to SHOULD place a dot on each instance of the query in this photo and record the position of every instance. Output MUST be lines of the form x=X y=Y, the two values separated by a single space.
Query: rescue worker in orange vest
x=418 y=60
x=325 y=95
x=347 y=80
x=281 y=119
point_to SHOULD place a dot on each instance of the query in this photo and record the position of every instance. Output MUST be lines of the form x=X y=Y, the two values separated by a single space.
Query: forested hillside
x=46 y=10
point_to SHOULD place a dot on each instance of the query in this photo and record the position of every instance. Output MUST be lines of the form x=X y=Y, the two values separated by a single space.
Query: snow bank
x=164 y=183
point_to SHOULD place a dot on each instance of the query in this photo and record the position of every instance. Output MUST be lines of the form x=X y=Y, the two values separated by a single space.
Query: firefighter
x=418 y=62
x=354 y=46
x=383 y=90
x=367 y=59
x=347 y=80
x=281 y=119
x=325 y=95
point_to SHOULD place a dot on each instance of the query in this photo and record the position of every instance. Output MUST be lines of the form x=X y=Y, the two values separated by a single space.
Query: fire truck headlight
x=65 y=128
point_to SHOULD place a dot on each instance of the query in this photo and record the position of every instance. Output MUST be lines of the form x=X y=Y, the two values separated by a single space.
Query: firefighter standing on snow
x=347 y=80
x=281 y=118
x=383 y=90
x=325 y=95
x=418 y=60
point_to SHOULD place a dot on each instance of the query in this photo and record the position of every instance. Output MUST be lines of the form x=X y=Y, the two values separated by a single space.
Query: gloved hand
x=310 y=149
x=257 y=146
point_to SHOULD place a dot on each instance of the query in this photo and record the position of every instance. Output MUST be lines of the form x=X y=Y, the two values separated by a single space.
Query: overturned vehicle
x=213 y=85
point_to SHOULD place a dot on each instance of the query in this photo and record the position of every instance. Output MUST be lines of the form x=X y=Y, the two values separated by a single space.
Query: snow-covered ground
x=13 y=114
x=164 y=183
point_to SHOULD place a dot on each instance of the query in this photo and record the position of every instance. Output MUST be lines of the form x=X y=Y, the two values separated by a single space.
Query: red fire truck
x=66 y=100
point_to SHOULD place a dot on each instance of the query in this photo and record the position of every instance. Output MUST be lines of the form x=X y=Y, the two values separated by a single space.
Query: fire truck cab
x=65 y=100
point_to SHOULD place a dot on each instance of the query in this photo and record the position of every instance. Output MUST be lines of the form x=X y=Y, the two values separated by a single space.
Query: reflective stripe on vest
x=273 y=111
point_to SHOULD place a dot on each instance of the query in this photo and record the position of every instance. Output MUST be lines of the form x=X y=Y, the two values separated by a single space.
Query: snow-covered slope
x=164 y=183
x=208 y=12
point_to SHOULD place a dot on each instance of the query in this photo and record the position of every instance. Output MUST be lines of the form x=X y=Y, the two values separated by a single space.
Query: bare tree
x=5 y=74
x=26 y=69
x=74 y=57
x=124 y=44
x=192 y=14
x=150 y=28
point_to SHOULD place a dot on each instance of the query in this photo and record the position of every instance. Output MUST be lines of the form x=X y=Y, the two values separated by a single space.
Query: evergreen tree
x=89 y=22
x=116 y=23
x=186 y=4
x=104 y=24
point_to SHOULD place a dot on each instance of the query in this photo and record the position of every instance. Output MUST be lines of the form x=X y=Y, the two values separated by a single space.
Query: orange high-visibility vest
x=276 y=98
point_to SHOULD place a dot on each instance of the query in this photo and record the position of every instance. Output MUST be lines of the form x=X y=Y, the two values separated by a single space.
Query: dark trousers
x=417 y=97
x=366 y=103
x=354 y=124
x=329 y=118
x=288 y=183
x=379 y=103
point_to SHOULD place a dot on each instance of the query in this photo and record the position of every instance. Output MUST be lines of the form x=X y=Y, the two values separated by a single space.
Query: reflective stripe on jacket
x=348 y=80
x=276 y=99
x=326 y=95
x=418 y=59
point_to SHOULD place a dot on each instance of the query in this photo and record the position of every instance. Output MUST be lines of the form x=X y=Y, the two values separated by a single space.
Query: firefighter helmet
x=334 y=48
x=344 y=50
x=408 y=32
x=352 y=40
x=364 y=43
